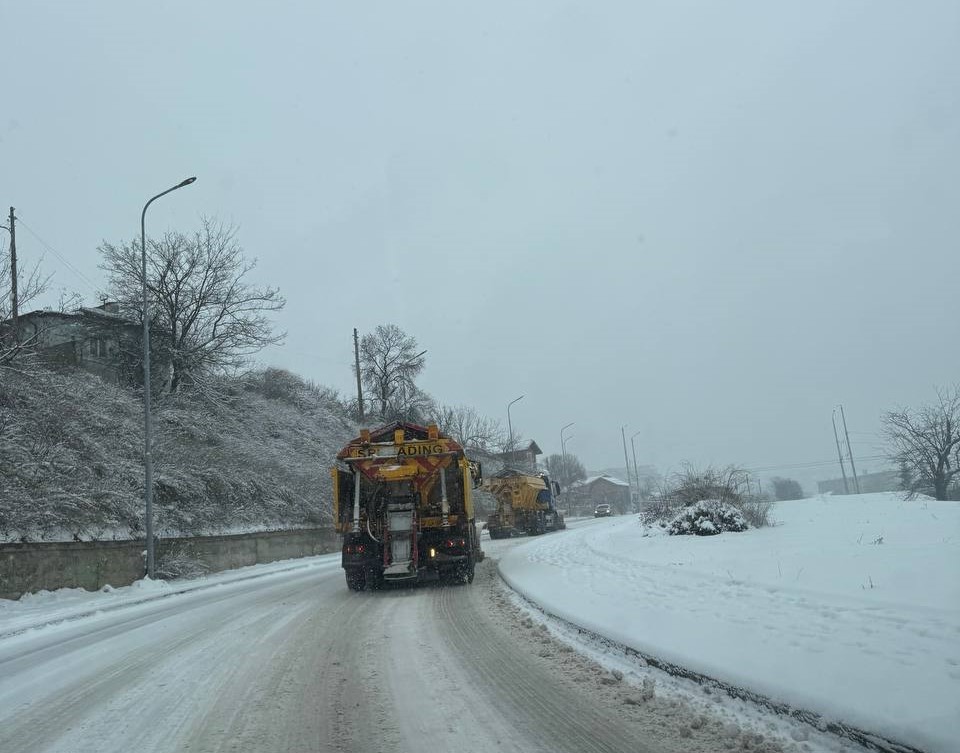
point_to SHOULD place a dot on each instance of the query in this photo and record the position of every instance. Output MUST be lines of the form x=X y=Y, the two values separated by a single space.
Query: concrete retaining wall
x=25 y=568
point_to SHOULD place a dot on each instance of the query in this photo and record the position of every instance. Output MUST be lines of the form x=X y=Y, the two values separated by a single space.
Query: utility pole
x=856 y=480
x=356 y=357
x=636 y=472
x=836 y=437
x=626 y=462
x=14 y=301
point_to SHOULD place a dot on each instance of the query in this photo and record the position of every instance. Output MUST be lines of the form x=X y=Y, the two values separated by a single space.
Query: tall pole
x=856 y=480
x=626 y=462
x=356 y=357
x=563 y=449
x=836 y=437
x=636 y=473
x=509 y=422
x=14 y=296
x=147 y=455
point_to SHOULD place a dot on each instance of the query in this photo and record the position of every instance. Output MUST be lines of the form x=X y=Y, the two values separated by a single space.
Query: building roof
x=106 y=313
x=101 y=312
x=611 y=479
x=532 y=447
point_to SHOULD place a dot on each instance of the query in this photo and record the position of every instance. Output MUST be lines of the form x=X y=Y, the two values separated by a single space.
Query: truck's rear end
x=526 y=504
x=402 y=501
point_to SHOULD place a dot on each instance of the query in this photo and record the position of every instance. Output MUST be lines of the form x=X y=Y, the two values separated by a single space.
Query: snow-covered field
x=849 y=606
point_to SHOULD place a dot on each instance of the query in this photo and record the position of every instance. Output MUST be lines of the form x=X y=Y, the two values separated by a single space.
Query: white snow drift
x=849 y=606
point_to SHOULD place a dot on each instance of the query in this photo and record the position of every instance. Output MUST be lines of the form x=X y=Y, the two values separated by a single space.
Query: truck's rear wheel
x=467 y=570
x=356 y=580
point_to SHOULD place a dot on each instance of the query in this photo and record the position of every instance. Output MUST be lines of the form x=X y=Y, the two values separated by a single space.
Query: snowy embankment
x=848 y=606
x=44 y=608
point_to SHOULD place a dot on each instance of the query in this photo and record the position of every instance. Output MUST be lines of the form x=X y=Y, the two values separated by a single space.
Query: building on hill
x=101 y=340
x=585 y=495
x=883 y=481
x=524 y=458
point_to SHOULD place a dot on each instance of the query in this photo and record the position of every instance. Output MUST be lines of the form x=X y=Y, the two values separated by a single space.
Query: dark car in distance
x=602 y=510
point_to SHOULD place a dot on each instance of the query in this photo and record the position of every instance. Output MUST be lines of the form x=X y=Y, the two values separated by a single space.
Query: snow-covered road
x=284 y=657
x=296 y=662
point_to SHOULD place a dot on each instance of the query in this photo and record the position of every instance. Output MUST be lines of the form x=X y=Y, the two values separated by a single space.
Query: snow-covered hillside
x=254 y=454
x=848 y=606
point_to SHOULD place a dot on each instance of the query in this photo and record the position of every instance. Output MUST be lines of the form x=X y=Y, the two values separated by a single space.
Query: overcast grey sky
x=710 y=221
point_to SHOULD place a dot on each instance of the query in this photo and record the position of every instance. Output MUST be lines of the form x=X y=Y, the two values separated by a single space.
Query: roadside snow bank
x=849 y=606
x=49 y=607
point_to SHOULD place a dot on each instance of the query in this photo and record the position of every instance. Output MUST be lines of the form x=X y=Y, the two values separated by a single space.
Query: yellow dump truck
x=526 y=503
x=402 y=502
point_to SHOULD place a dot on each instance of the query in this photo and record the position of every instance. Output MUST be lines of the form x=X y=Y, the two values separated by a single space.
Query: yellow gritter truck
x=402 y=502
x=526 y=503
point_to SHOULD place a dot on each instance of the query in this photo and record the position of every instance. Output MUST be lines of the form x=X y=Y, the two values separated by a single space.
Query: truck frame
x=402 y=502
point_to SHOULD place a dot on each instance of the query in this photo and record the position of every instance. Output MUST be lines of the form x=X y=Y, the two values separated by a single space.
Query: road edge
x=815 y=719
x=185 y=589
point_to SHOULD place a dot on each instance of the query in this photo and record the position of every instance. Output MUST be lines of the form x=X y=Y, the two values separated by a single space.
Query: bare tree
x=29 y=287
x=786 y=489
x=389 y=363
x=690 y=485
x=408 y=403
x=730 y=485
x=565 y=470
x=209 y=318
x=471 y=429
x=925 y=444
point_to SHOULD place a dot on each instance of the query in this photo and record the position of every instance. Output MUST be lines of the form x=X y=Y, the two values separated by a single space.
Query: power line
x=93 y=287
x=809 y=464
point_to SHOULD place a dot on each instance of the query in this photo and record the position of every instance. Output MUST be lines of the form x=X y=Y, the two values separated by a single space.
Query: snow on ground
x=849 y=606
x=48 y=607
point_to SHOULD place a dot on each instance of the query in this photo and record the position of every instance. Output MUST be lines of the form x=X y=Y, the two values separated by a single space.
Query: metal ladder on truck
x=400 y=550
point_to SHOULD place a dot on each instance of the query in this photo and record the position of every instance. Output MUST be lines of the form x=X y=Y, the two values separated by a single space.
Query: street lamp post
x=563 y=449
x=147 y=457
x=509 y=422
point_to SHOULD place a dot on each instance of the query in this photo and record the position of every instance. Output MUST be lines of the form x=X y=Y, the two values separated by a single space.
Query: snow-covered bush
x=707 y=518
x=730 y=486
x=756 y=510
x=180 y=562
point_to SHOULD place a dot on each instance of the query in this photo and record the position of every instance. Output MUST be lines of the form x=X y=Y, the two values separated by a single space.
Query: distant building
x=99 y=339
x=587 y=494
x=883 y=481
x=524 y=458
